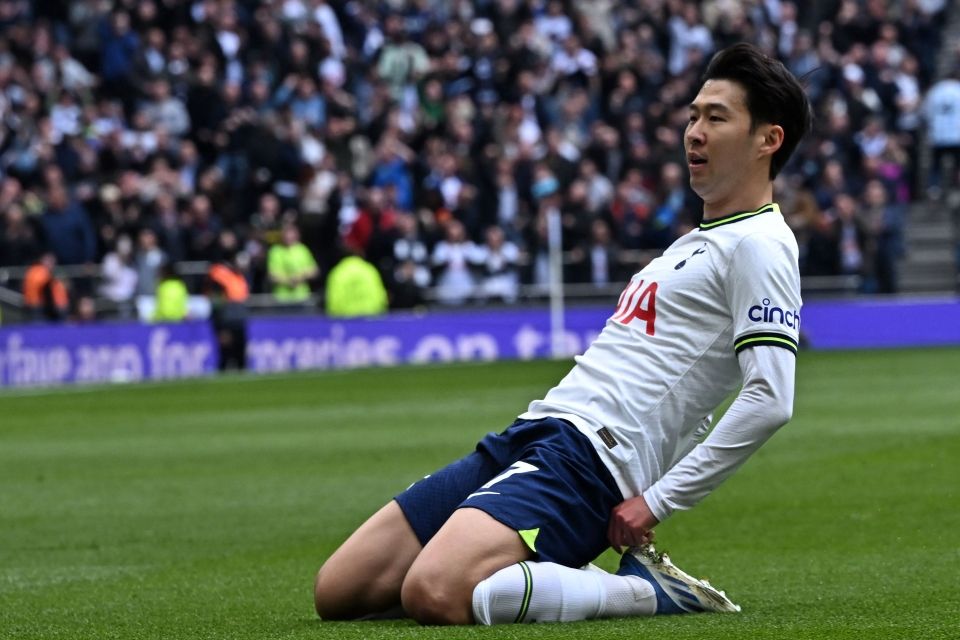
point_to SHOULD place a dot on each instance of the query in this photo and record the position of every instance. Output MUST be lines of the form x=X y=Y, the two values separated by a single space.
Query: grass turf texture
x=202 y=509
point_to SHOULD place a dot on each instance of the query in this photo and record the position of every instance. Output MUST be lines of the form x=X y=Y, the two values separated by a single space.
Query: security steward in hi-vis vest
x=227 y=286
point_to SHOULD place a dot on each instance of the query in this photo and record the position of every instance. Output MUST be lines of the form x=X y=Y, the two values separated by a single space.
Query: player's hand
x=631 y=524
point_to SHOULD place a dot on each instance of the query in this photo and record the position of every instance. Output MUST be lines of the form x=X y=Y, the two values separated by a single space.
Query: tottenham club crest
x=682 y=263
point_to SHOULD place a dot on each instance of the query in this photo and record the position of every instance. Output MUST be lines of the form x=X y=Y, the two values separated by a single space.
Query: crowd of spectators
x=432 y=138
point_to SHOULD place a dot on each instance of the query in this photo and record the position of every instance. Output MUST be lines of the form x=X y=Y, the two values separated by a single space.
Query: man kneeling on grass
x=504 y=534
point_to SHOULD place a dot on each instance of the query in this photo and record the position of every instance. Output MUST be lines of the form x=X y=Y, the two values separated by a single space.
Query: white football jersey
x=645 y=389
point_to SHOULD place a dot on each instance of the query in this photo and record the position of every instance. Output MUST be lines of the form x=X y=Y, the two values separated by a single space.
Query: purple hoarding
x=48 y=355
x=870 y=324
x=285 y=344
x=34 y=355
x=288 y=344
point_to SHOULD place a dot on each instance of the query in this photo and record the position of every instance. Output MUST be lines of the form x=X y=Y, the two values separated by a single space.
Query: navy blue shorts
x=541 y=478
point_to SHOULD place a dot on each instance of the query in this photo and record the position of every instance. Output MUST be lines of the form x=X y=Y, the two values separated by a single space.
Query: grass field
x=202 y=509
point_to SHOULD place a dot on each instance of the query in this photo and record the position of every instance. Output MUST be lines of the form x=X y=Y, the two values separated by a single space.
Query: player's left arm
x=763 y=295
x=764 y=405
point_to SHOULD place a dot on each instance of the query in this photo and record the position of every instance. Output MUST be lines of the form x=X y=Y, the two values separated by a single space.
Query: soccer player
x=621 y=443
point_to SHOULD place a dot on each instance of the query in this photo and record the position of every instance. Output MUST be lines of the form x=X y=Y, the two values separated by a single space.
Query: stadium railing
x=13 y=312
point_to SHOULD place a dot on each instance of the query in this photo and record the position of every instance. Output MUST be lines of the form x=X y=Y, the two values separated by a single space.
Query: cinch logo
x=766 y=313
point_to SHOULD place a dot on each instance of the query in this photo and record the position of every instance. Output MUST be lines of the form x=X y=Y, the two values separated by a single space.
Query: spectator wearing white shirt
x=872 y=140
x=600 y=189
x=449 y=181
x=554 y=24
x=166 y=111
x=788 y=28
x=572 y=59
x=152 y=59
x=410 y=273
x=230 y=42
x=687 y=33
x=119 y=276
x=410 y=247
x=294 y=10
x=65 y=116
x=455 y=258
x=324 y=15
x=908 y=94
x=73 y=75
x=499 y=262
x=941 y=109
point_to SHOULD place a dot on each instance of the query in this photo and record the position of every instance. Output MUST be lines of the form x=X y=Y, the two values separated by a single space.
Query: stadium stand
x=432 y=137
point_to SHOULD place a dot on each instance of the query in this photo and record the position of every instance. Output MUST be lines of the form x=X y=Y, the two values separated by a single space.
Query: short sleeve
x=763 y=293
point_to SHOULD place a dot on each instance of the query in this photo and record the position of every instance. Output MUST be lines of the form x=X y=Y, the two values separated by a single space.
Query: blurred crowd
x=431 y=139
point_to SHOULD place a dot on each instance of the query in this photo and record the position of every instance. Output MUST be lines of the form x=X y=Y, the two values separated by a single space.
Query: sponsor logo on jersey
x=766 y=312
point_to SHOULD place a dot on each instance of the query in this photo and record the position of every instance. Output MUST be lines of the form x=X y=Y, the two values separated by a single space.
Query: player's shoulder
x=758 y=232
x=770 y=236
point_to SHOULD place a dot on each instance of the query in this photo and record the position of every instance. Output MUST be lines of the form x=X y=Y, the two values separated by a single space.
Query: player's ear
x=771 y=138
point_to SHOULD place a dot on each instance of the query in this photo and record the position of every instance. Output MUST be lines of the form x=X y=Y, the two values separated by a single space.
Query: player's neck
x=746 y=199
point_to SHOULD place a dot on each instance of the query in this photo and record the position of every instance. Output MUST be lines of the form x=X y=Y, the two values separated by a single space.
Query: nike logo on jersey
x=682 y=263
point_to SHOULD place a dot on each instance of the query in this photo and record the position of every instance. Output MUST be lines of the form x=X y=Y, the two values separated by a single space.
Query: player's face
x=722 y=152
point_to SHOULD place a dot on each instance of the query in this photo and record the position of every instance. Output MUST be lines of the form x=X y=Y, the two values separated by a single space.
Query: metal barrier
x=12 y=308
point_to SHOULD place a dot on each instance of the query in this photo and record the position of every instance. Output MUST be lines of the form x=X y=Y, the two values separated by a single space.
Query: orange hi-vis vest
x=36 y=282
x=234 y=285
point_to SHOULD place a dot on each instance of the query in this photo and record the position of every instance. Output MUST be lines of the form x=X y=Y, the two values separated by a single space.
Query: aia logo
x=638 y=302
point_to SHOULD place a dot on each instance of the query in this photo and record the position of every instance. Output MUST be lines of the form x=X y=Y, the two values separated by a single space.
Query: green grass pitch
x=202 y=509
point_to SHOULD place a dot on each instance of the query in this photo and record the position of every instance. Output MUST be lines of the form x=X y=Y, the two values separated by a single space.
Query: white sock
x=549 y=592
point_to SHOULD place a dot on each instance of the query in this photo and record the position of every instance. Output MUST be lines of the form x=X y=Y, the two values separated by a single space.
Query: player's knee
x=324 y=599
x=331 y=600
x=431 y=600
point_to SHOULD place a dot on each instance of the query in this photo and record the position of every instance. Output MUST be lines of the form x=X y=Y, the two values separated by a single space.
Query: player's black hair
x=774 y=95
